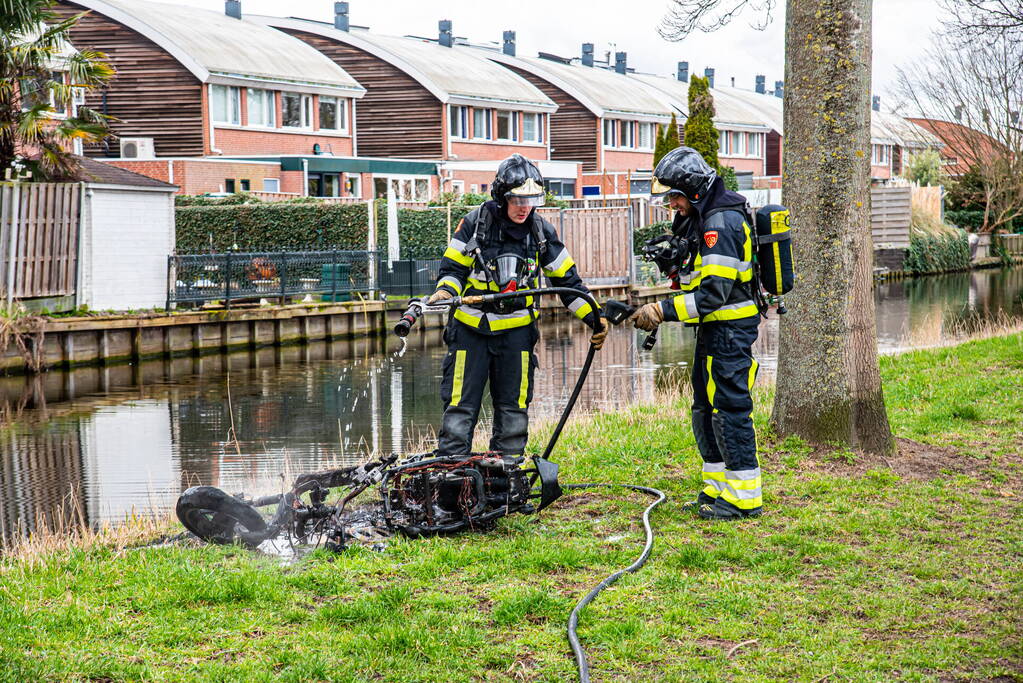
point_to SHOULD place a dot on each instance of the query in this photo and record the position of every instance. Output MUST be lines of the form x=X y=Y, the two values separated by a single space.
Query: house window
x=628 y=134
x=532 y=127
x=507 y=125
x=296 y=110
x=880 y=155
x=753 y=144
x=738 y=144
x=481 y=124
x=226 y=104
x=458 y=120
x=245 y=184
x=332 y=114
x=609 y=133
x=353 y=185
x=646 y=136
x=261 y=108
x=229 y=185
x=458 y=187
x=271 y=185
x=724 y=143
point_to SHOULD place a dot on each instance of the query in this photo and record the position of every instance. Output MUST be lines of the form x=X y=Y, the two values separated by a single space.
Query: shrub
x=924 y=168
x=935 y=247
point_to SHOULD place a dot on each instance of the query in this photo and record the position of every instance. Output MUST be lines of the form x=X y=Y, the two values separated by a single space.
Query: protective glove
x=598 y=337
x=438 y=296
x=648 y=317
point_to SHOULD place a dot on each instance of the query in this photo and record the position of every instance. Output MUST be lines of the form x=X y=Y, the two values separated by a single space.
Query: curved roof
x=452 y=75
x=729 y=112
x=907 y=133
x=603 y=92
x=220 y=49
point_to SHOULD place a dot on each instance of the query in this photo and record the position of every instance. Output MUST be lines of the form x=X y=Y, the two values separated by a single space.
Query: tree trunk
x=829 y=383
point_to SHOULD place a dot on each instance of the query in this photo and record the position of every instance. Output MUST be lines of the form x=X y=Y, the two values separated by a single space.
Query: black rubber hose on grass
x=573 y=620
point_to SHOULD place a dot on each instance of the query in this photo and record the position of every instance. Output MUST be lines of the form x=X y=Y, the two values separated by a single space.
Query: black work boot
x=695 y=505
x=722 y=511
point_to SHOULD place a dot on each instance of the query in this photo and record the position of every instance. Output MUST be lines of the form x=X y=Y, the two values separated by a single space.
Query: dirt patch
x=912 y=460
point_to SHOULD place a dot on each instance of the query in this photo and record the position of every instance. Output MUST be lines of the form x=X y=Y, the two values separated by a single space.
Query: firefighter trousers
x=723 y=374
x=507 y=362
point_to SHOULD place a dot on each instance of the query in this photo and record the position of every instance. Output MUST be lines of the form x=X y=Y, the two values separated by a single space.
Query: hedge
x=930 y=253
x=269 y=226
x=641 y=235
x=423 y=233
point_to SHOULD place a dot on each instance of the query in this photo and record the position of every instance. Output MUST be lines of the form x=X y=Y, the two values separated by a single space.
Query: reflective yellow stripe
x=458 y=257
x=484 y=285
x=560 y=272
x=583 y=311
x=742 y=503
x=711 y=491
x=450 y=282
x=720 y=271
x=747 y=243
x=777 y=265
x=715 y=476
x=524 y=382
x=753 y=368
x=467 y=318
x=509 y=323
x=456 y=384
x=732 y=313
x=779 y=224
x=711 y=386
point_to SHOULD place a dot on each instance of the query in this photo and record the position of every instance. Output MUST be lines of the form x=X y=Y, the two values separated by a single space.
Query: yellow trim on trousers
x=456 y=382
x=524 y=381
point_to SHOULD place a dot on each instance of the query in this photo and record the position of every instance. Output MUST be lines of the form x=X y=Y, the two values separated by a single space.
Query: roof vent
x=233 y=9
x=683 y=72
x=779 y=88
x=875 y=103
x=341 y=16
x=708 y=73
x=444 y=37
x=509 y=43
x=761 y=84
x=587 y=54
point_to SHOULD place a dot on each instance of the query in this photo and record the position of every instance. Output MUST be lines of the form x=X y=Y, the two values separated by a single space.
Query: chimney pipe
x=761 y=84
x=708 y=73
x=587 y=54
x=341 y=16
x=444 y=35
x=875 y=103
x=620 y=61
x=779 y=88
x=683 y=72
x=233 y=9
x=733 y=81
x=509 y=43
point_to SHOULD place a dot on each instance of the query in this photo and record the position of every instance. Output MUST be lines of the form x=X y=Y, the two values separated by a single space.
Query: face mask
x=512 y=271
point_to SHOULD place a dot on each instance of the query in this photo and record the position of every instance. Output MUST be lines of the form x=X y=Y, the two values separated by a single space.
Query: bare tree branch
x=686 y=16
x=985 y=18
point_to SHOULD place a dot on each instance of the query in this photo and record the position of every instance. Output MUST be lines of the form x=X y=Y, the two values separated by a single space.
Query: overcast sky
x=902 y=30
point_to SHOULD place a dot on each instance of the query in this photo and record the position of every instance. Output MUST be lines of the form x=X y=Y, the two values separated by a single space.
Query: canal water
x=96 y=444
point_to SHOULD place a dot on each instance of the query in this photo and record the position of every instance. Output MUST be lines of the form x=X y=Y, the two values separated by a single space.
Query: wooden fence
x=1013 y=244
x=39 y=229
x=890 y=216
x=927 y=200
x=600 y=241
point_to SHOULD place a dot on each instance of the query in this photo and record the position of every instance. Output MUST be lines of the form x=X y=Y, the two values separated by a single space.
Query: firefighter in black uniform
x=716 y=281
x=500 y=246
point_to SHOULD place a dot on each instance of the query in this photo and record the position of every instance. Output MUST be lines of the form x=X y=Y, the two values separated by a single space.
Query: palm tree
x=41 y=76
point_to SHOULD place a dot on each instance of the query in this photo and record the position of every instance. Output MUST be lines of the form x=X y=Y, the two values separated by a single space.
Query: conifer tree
x=700 y=133
x=667 y=139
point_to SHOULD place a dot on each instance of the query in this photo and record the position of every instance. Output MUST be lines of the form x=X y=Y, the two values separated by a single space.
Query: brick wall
x=623 y=161
x=197 y=176
x=233 y=141
x=743 y=164
x=476 y=151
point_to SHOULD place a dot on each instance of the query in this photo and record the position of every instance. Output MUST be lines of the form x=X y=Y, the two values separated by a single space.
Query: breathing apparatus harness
x=508 y=271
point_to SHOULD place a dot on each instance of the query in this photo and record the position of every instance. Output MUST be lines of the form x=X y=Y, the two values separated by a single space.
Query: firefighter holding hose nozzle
x=501 y=246
x=713 y=239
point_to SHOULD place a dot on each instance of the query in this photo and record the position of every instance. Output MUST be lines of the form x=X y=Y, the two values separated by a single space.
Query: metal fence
x=335 y=275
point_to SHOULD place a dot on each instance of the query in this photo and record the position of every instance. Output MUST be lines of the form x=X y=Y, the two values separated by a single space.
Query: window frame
x=305 y=110
x=269 y=98
x=340 y=112
x=487 y=116
x=460 y=114
x=513 y=125
x=276 y=186
x=232 y=104
x=724 y=143
x=649 y=128
x=610 y=126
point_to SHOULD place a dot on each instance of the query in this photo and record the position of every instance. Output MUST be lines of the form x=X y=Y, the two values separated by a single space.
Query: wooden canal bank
x=89 y=340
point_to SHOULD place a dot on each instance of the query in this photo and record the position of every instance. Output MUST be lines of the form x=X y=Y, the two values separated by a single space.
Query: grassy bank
x=863 y=569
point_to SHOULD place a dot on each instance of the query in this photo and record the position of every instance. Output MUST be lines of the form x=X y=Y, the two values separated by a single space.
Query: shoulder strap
x=539 y=234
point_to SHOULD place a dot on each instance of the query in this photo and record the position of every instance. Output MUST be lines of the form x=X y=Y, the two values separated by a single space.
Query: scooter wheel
x=218 y=517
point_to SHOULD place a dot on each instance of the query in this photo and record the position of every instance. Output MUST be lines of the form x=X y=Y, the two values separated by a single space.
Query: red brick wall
x=197 y=176
x=743 y=164
x=624 y=161
x=232 y=141
x=470 y=151
x=292 y=181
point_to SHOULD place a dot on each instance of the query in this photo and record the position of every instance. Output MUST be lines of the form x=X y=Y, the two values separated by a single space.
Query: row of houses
x=215 y=102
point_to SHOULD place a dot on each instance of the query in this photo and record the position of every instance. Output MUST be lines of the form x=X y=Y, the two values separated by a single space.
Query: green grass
x=866 y=569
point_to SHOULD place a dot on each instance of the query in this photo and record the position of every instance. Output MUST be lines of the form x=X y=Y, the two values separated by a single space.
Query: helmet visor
x=529 y=193
x=534 y=200
x=659 y=193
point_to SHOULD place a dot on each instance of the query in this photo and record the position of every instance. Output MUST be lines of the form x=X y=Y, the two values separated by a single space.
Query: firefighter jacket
x=462 y=275
x=717 y=283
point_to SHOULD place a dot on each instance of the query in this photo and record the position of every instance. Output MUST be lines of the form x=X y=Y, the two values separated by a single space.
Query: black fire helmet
x=518 y=181
x=682 y=171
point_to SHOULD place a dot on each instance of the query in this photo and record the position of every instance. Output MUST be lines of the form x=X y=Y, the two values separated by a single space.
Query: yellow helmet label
x=528 y=188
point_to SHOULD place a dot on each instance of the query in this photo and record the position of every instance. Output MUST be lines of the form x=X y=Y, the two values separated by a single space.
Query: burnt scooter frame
x=420 y=496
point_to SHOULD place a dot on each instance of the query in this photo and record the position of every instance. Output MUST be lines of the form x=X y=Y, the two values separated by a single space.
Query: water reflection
x=94 y=443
